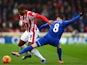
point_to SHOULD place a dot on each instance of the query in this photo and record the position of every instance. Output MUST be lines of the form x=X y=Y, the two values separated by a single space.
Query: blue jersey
x=55 y=32
x=56 y=29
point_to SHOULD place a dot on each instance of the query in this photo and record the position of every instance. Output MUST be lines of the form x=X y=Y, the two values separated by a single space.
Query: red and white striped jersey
x=29 y=20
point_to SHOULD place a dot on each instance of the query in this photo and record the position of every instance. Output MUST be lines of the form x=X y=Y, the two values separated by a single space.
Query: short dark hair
x=21 y=7
x=61 y=16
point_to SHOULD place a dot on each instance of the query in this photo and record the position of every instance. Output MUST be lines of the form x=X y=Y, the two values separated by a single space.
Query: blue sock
x=29 y=48
x=59 y=51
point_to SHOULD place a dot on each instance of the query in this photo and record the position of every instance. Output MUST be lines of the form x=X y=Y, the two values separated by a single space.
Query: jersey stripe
x=29 y=25
x=33 y=35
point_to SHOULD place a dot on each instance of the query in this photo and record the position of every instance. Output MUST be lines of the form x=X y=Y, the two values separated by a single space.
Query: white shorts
x=29 y=36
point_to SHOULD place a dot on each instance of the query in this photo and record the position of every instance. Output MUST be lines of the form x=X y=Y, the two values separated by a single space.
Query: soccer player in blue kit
x=53 y=36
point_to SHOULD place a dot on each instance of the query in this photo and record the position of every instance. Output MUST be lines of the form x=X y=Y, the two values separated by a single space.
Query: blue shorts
x=48 y=39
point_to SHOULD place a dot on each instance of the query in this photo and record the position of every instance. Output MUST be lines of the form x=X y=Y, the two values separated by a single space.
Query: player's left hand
x=81 y=13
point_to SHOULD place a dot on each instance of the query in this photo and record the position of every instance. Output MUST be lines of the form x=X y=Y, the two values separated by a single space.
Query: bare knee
x=21 y=43
x=34 y=45
x=59 y=46
x=30 y=43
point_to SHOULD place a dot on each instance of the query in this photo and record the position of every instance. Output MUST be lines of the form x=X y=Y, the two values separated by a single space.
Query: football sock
x=59 y=51
x=36 y=53
x=24 y=46
x=28 y=48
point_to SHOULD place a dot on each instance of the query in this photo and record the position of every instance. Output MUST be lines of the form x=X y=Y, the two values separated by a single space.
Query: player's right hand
x=50 y=22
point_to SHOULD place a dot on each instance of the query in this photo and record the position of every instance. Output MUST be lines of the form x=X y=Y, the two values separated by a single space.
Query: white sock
x=24 y=46
x=36 y=53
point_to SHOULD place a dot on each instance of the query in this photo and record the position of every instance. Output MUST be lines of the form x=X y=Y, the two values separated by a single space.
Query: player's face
x=58 y=18
x=21 y=12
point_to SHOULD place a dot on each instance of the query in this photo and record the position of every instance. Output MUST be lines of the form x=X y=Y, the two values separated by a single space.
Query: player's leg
x=38 y=43
x=54 y=42
x=59 y=51
x=22 y=45
x=37 y=54
x=32 y=39
x=28 y=48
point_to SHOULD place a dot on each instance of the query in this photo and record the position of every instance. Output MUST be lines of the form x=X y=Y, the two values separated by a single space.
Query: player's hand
x=81 y=13
x=50 y=22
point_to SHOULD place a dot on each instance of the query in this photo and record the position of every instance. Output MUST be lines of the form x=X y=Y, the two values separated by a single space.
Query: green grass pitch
x=73 y=54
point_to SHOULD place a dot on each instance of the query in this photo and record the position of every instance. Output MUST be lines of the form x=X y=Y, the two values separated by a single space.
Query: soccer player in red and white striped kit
x=28 y=19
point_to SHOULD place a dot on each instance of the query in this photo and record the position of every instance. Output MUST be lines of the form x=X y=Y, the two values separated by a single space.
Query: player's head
x=21 y=10
x=60 y=18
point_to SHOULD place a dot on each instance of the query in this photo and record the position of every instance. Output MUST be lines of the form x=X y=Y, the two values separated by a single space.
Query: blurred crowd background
x=9 y=21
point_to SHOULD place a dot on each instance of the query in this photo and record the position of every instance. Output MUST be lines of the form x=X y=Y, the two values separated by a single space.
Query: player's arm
x=67 y=22
x=42 y=17
x=23 y=26
x=36 y=15
x=43 y=26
